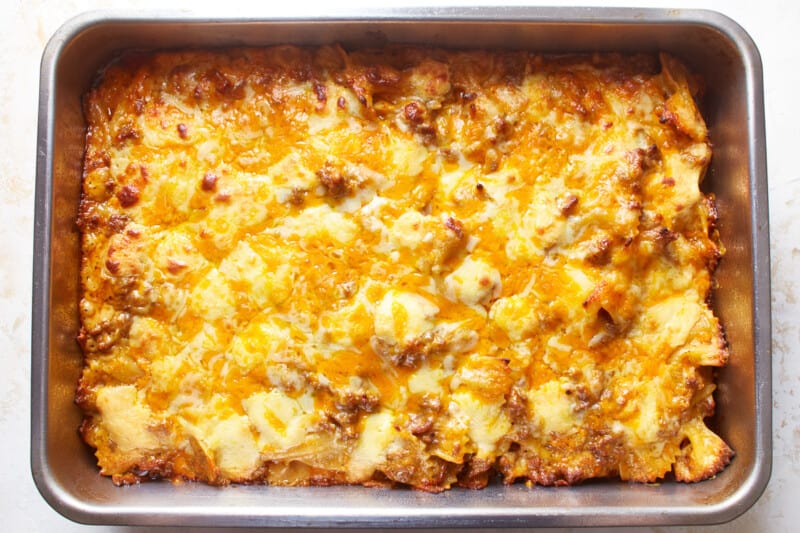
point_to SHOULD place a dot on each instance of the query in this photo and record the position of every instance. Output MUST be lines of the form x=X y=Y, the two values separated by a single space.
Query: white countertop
x=25 y=27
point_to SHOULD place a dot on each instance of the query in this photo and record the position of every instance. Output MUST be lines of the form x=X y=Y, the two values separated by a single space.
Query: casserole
x=710 y=44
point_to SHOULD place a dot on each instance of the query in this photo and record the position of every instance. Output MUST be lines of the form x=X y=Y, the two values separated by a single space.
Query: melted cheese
x=231 y=445
x=370 y=451
x=128 y=420
x=552 y=409
x=402 y=316
x=319 y=222
x=473 y=282
x=281 y=421
x=486 y=422
x=309 y=266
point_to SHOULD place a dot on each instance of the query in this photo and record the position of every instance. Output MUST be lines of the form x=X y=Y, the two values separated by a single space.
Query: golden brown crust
x=403 y=266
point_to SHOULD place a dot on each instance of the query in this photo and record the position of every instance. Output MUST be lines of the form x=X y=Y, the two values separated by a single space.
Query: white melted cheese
x=372 y=446
x=318 y=221
x=474 y=282
x=213 y=298
x=282 y=422
x=262 y=284
x=127 y=418
x=401 y=316
x=486 y=422
x=552 y=408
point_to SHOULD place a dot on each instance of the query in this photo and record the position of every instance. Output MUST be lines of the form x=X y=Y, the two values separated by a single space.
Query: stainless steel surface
x=714 y=46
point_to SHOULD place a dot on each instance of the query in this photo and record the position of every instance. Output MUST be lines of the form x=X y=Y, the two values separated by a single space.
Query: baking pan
x=713 y=46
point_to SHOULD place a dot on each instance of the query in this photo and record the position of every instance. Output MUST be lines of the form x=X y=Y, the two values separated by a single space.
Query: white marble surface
x=25 y=27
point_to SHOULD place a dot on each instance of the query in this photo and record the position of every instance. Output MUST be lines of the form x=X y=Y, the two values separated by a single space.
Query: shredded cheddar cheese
x=398 y=266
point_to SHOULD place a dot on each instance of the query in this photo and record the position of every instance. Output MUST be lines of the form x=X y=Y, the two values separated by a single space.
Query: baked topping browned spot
x=128 y=195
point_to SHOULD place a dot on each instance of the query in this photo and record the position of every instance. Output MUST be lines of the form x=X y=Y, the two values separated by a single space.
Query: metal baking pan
x=713 y=46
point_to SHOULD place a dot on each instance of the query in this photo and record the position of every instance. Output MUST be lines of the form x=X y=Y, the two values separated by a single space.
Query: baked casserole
x=403 y=266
